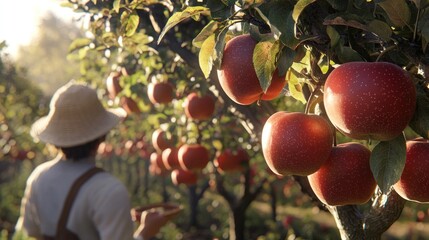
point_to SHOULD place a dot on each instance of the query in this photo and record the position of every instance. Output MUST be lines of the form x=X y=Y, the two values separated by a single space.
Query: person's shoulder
x=105 y=182
x=40 y=169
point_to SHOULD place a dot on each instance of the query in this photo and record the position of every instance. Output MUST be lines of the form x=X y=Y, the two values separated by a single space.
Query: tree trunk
x=237 y=218
x=193 y=206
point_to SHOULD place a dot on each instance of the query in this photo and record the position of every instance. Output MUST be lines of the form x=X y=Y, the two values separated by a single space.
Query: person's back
x=98 y=202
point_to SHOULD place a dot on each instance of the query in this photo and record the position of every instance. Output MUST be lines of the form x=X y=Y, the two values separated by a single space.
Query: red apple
x=112 y=84
x=170 y=158
x=237 y=75
x=160 y=92
x=129 y=105
x=199 y=107
x=229 y=161
x=295 y=143
x=181 y=176
x=414 y=182
x=346 y=177
x=160 y=141
x=157 y=167
x=193 y=156
x=369 y=100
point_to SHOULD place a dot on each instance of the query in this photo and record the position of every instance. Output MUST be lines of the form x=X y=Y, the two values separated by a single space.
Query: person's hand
x=151 y=222
x=153 y=217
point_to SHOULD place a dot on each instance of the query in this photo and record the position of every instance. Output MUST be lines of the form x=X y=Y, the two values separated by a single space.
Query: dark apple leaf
x=398 y=12
x=387 y=162
x=347 y=54
x=333 y=35
x=423 y=27
x=420 y=4
x=340 y=5
x=218 y=9
x=285 y=60
x=420 y=121
x=177 y=17
x=206 y=32
x=380 y=28
x=264 y=61
x=299 y=7
x=219 y=47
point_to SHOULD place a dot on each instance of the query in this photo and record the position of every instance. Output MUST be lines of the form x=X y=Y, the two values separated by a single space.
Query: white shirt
x=101 y=209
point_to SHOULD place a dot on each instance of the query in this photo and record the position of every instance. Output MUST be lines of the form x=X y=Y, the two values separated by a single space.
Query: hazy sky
x=19 y=19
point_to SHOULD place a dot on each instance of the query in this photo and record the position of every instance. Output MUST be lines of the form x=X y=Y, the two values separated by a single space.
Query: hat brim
x=87 y=129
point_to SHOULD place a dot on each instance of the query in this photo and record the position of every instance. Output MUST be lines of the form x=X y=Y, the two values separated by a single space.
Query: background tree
x=45 y=57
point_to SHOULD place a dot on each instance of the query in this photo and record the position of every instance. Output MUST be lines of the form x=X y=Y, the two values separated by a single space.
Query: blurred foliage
x=20 y=104
x=45 y=57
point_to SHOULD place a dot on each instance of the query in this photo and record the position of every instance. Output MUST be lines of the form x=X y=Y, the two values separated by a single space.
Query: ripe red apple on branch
x=160 y=141
x=230 y=161
x=160 y=92
x=181 y=176
x=346 y=177
x=237 y=75
x=193 y=156
x=129 y=105
x=199 y=107
x=112 y=84
x=170 y=158
x=414 y=182
x=295 y=143
x=370 y=100
x=156 y=166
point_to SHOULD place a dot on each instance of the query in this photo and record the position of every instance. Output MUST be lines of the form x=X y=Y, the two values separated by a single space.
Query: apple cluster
x=362 y=100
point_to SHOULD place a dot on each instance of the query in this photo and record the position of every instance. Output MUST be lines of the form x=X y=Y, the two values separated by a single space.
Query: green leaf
x=380 y=28
x=177 y=17
x=264 y=61
x=131 y=24
x=272 y=28
x=285 y=25
x=388 y=161
x=398 y=12
x=285 y=60
x=206 y=32
x=116 y=5
x=295 y=87
x=299 y=7
x=420 y=121
x=420 y=4
x=348 y=54
x=79 y=43
x=340 y=5
x=423 y=27
x=219 y=47
x=333 y=35
x=218 y=9
x=205 y=56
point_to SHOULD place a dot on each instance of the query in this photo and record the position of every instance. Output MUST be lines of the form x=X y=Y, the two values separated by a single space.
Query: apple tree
x=358 y=69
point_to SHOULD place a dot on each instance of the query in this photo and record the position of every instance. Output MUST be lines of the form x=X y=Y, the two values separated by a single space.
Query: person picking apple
x=69 y=197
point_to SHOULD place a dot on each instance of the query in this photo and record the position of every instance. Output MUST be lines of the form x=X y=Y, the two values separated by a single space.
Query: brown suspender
x=62 y=232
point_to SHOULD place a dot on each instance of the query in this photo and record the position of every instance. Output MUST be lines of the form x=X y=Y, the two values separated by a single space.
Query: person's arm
x=28 y=222
x=152 y=217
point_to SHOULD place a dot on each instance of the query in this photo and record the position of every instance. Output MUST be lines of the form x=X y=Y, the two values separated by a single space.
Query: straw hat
x=76 y=116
